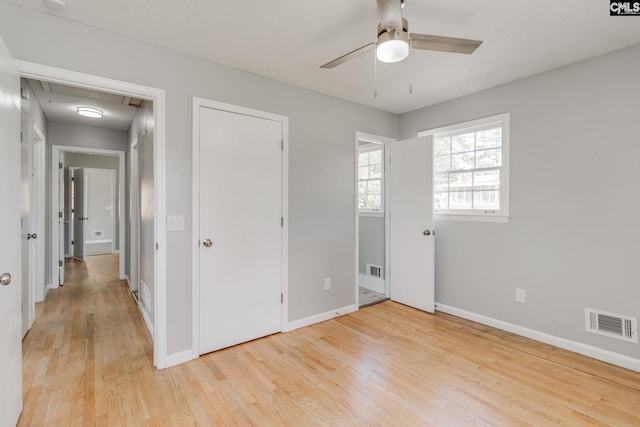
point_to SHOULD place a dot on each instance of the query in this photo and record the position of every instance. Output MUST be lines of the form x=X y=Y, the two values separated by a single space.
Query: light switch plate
x=175 y=222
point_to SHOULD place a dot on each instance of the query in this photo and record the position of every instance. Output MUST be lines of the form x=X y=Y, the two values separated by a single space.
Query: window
x=370 y=177
x=470 y=169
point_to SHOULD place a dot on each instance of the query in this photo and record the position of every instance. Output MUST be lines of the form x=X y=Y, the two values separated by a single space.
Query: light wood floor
x=88 y=361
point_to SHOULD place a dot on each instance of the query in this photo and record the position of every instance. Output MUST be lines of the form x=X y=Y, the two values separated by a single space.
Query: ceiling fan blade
x=349 y=56
x=444 y=44
x=390 y=13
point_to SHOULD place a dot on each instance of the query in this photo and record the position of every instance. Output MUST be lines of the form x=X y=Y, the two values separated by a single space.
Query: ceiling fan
x=395 y=41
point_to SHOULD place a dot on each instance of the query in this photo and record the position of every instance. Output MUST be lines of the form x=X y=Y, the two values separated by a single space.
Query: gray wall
x=87 y=136
x=371 y=242
x=97 y=162
x=572 y=241
x=321 y=164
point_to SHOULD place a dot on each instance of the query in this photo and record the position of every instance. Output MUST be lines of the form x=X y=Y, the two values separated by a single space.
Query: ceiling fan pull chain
x=375 y=74
x=410 y=68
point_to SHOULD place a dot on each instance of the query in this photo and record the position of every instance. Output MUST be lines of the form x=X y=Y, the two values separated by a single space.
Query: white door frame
x=37 y=220
x=387 y=268
x=195 y=164
x=134 y=217
x=157 y=96
x=55 y=195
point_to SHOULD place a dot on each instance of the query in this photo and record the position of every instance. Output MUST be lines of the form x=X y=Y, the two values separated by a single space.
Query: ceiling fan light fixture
x=393 y=44
x=392 y=51
x=93 y=113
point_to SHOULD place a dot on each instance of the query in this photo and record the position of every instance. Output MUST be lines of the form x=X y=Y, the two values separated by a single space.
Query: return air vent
x=98 y=233
x=374 y=270
x=611 y=325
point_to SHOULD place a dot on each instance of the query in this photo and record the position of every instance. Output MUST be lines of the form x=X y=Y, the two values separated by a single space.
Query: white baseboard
x=373 y=283
x=177 y=358
x=580 y=348
x=126 y=277
x=317 y=318
x=116 y=251
x=147 y=319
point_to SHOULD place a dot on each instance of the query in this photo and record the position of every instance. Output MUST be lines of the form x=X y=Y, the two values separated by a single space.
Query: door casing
x=73 y=78
x=284 y=120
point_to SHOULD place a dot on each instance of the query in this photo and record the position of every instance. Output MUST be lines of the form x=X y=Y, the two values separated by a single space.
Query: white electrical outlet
x=327 y=283
x=521 y=295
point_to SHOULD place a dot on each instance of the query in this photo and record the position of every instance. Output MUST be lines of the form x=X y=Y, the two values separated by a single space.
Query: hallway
x=86 y=351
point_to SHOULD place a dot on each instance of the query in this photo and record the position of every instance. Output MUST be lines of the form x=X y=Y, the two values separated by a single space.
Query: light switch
x=175 y=222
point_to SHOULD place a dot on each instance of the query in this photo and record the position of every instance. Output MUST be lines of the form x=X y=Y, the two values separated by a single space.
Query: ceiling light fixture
x=94 y=113
x=393 y=46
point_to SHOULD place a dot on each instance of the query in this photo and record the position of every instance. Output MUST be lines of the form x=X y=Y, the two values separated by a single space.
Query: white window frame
x=372 y=146
x=501 y=215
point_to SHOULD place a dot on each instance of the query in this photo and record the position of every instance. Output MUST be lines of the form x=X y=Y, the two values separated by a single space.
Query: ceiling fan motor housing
x=392 y=33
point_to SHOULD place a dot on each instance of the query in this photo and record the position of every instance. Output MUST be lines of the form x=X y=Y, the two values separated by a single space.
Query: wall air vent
x=611 y=325
x=98 y=233
x=374 y=270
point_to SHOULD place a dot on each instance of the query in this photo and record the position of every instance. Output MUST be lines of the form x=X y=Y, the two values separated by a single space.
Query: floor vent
x=374 y=270
x=611 y=325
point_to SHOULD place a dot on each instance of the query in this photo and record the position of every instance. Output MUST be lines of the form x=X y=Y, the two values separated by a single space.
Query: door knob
x=207 y=243
x=31 y=236
x=5 y=279
x=427 y=232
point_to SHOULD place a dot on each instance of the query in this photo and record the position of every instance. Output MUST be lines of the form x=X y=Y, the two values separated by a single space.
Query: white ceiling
x=59 y=103
x=289 y=39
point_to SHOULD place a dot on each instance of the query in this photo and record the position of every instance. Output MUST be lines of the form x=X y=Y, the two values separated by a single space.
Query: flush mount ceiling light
x=94 y=113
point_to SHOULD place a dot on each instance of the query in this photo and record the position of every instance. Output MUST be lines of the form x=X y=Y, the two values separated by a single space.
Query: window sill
x=478 y=218
x=374 y=214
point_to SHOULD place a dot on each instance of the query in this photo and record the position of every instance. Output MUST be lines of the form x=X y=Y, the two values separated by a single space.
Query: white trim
x=462 y=217
x=126 y=278
x=178 y=358
x=321 y=317
x=577 y=347
x=362 y=136
x=475 y=215
x=100 y=241
x=195 y=179
x=39 y=165
x=145 y=316
x=157 y=96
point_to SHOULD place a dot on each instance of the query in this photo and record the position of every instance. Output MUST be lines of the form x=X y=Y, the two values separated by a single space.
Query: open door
x=79 y=212
x=411 y=244
x=10 y=255
x=61 y=223
x=26 y=247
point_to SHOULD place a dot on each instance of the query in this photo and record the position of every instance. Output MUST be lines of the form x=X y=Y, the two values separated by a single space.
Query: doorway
x=372 y=220
x=240 y=211
x=393 y=182
x=156 y=97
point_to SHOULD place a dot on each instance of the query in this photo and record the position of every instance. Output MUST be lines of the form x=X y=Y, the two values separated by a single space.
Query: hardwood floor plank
x=88 y=361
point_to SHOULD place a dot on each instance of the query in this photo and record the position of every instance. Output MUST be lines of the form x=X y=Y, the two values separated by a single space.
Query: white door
x=61 y=221
x=26 y=187
x=411 y=244
x=240 y=214
x=79 y=212
x=10 y=256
